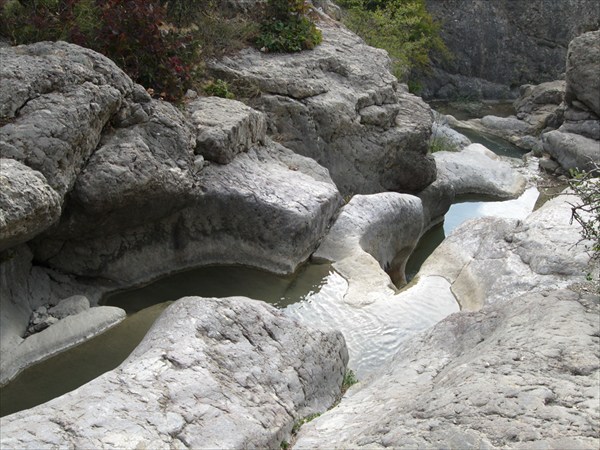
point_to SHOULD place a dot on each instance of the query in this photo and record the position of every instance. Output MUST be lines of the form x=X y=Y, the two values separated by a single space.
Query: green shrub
x=287 y=27
x=130 y=32
x=402 y=27
x=218 y=88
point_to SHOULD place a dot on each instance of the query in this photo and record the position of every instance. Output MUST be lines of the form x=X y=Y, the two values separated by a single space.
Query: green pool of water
x=70 y=369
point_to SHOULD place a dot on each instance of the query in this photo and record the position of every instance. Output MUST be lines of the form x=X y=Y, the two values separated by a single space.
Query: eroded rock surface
x=340 y=105
x=522 y=374
x=373 y=234
x=499 y=45
x=28 y=205
x=583 y=83
x=491 y=259
x=57 y=98
x=268 y=208
x=211 y=373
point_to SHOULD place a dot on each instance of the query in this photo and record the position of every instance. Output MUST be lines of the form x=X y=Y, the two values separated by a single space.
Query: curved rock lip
x=64 y=334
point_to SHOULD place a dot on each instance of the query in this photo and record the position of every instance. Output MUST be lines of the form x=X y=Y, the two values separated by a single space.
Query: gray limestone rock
x=70 y=306
x=27 y=204
x=572 y=150
x=372 y=235
x=522 y=374
x=56 y=98
x=24 y=288
x=340 y=105
x=583 y=82
x=491 y=259
x=211 y=373
x=137 y=174
x=540 y=106
x=477 y=170
x=443 y=137
x=499 y=45
x=225 y=128
x=268 y=208
x=386 y=226
x=56 y=336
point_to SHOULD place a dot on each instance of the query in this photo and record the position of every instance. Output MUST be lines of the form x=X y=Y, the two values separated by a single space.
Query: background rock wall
x=499 y=45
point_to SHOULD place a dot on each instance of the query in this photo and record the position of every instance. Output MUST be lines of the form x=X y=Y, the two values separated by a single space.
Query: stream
x=316 y=285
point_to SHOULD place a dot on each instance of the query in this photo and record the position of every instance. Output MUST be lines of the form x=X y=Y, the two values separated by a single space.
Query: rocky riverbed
x=104 y=187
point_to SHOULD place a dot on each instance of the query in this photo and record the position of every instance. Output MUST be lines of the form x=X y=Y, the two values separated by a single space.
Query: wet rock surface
x=217 y=373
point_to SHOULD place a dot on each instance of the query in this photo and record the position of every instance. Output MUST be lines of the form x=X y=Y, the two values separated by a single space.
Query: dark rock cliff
x=498 y=45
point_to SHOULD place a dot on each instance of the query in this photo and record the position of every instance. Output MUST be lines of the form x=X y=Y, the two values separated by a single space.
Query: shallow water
x=464 y=209
x=498 y=145
x=314 y=295
x=466 y=110
x=72 y=368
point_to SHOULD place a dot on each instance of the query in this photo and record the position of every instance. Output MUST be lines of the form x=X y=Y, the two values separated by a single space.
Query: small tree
x=586 y=186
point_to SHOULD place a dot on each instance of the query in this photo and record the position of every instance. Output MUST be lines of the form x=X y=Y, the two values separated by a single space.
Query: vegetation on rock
x=287 y=27
x=402 y=27
x=160 y=44
x=587 y=212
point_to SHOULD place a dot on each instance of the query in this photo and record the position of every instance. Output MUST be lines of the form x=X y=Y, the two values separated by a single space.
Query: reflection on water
x=463 y=210
x=224 y=281
x=78 y=365
x=518 y=208
x=498 y=145
x=70 y=369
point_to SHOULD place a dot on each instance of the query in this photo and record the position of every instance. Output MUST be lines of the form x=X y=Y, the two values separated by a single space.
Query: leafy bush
x=25 y=22
x=287 y=27
x=402 y=27
x=130 y=32
x=218 y=88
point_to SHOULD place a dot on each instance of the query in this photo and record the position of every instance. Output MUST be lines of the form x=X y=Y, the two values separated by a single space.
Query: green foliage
x=32 y=21
x=218 y=88
x=402 y=27
x=130 y=32
x=349 y=380
x=287 y=27
x=441 y=143
x=586 y=185
x=284 y=445
x=302 y=421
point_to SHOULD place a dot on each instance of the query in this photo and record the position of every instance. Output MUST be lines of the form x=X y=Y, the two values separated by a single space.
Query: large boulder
x=477 y=170
x=572 y=151
x=519 y=374
x=474 y=170
x=340 y=105
x=137 y=174
x=583 y=82
x=57 y=98
x=268 y=208
x=499 y=45
x=28 y=205
x=225 y=128
x=211 y=373
x=491 y=259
